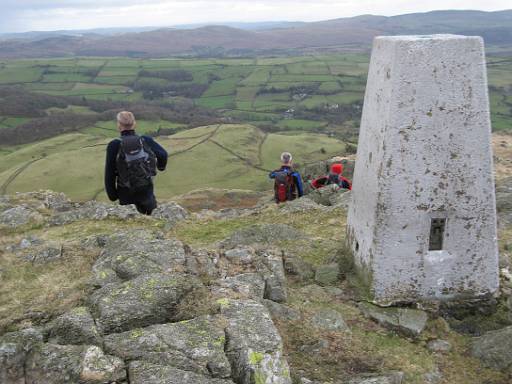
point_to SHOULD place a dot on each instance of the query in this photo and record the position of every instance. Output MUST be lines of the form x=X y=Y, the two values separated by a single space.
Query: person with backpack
x=132 y=162
x=287 y=181
x=334 y=177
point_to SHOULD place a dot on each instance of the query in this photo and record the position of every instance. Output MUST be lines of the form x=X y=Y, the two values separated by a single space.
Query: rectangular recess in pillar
x=437 y=228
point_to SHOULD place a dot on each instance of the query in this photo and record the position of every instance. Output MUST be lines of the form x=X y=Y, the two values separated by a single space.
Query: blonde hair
x=126 y=120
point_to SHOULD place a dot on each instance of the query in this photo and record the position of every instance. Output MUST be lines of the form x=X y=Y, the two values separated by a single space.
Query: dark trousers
x=144 y=200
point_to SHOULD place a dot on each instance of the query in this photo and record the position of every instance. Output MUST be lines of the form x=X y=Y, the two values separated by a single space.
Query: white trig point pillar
x=422 y=223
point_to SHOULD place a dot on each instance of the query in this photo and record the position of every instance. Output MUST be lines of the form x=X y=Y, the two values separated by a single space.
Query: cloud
x=80 y=14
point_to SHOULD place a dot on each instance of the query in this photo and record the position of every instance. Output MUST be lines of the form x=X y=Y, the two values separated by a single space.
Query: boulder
x=74 y=327
x=142 y=372
x=303 y=204
x=264 y=234
x=93 y=210
x=14 y=348
x=203 y=262
x=281 y=311
x=330 y=195
x=19 y=216
x=245 y=285
x=327 y=274
x=408 y=321
x=275 y=279
x=494 y=348
x=145 y=300
x=131 y=254
x=196 y=345
x=171 y=212
x=254 y=346
x=329 y=320
x=64 y=364
x=240 y=255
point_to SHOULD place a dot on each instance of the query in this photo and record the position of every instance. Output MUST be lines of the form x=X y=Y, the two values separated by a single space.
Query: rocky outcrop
x=254 y=347
x=408 y=321
x=493 y=348
x=74 y=327
x=20 y=215
x=263 y=235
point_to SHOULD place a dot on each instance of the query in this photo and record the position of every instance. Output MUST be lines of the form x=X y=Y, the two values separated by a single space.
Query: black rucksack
x=136 y=163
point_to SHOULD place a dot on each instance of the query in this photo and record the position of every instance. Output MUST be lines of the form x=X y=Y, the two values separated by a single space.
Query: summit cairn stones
x=422 y=223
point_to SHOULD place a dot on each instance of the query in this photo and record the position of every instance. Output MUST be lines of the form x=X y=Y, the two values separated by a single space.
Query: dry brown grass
x=502 y=147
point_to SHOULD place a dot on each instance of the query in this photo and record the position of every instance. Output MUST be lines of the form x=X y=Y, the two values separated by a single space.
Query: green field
x=309 y=105
x=221 y=156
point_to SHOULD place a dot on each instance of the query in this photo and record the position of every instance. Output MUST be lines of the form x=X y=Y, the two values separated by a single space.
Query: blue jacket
x=296 y=177
x=125 y=196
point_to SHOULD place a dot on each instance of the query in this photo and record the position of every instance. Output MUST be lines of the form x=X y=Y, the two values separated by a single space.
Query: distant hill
x=339 y=34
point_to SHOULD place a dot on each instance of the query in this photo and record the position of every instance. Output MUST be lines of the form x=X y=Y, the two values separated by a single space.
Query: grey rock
x=146 y=373
x=240 y=255
x=275 y=279
x=195 y=345
x=246 y=285
x=439 y=346
x=315 y=347
x=14 y=348
x=390 y=378
x=263 y=235
x=254 y=346
x=330 y=195
x=93 y=210
x=46 y=253
x=281 y=311
x=327 y=274
x=410 y=322
x=297 y=267
x=433 y=377
x=329 y=320
x=20 y=215
x=493 y=348
x=57 y=201
x=145 y=300
x=341 y=199
x=203 y=262
x=74 y=327
x=129 y=255
x=171 y=212
x=64 y=364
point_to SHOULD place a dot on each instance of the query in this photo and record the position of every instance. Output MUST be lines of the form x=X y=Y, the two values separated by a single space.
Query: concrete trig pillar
x=422 y=223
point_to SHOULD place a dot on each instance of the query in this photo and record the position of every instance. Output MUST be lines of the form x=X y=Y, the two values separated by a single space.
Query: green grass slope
x=220 y=156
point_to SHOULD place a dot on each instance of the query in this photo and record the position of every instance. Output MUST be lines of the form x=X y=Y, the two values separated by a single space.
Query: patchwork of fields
x=309 y=105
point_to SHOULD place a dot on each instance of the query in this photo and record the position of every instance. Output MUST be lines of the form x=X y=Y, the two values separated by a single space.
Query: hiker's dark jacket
x=297 y=180
x=124 y=195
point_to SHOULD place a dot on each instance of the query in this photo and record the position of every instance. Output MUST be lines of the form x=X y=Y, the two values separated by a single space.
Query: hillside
x=342 y=34
x=96 y=293
x=220 y=156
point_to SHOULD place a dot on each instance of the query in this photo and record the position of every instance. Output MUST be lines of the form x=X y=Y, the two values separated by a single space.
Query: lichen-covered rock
x=74 y=327
x=145 y=300
x=65 y=364
x=93 y=210
x=327 y=274
x=303 y=204
x=128 y=255
x=245 y=285
x=195 y=345
x=171 y=212
x=142 y=372
x=494 y=348
x=408 y=321
x=329 y=320
x=329 y=195
x=43 y=253
x=341 y=199
x=18 y=216
x=240 y=255
x=203 y=262
x=254 y=346
x=390 y=378
x=264 y=235
x=14 y=348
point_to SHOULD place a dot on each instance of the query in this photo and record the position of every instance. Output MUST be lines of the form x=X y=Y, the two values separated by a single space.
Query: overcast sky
x=29 y=15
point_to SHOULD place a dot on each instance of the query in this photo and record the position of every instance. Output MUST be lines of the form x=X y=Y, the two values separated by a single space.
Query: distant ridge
x=355 y=33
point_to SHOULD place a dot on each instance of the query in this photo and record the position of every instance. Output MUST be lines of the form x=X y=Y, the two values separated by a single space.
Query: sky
x=47 y=15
